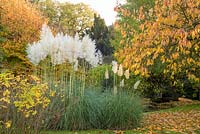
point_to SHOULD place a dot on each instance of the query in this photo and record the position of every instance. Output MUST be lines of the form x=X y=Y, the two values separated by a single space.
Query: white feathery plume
x=89 y=52
x=40 y=50
x=62 y=48
x=136 y=84
x=77 y=46
x=87 y=47
x=34 y=53
x=127 y=74
x=122 y=83
x=46 y=39
x=67 y=42
x=96 y=59
x=114 y=67
x=57 y=54
x=120 y=71
x=100 y=57
x=46 y=33
x=76 y=65
x=73 y=49
x=106 y=74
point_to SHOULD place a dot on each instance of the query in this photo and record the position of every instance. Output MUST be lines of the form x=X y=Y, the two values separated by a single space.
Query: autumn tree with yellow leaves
x=22 y=23
x=168 y=43
x=129 y=20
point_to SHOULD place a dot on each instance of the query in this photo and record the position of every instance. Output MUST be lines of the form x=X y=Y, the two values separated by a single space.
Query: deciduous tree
x=129 y=20
x=169 y=42
x=22 y=22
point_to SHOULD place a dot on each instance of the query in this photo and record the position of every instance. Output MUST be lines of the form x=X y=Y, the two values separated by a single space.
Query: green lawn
x=182 y=108
x=187 y=107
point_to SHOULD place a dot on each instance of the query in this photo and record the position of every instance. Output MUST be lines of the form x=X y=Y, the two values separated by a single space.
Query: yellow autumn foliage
x=22 y=22
x=170 y=39
x=25 y=93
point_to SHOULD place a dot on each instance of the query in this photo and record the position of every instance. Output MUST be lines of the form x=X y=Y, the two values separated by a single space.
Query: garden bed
x=177 y=120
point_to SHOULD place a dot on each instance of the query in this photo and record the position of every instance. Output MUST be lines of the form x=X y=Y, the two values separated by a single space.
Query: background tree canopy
x=67 y=17
x=100 y=33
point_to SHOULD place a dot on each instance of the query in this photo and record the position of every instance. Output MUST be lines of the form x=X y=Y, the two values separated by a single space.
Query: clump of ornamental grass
x=121 y=111
x=81 y=113
x=96 y=110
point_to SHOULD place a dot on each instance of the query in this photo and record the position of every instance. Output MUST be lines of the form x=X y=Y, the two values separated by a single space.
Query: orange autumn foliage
x=169 y=41
x=23 y=23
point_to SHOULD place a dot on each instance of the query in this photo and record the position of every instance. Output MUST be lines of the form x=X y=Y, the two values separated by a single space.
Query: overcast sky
x=104 y=7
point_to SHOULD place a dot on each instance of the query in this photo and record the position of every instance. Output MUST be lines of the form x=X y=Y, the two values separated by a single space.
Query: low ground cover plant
x=23 y=100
